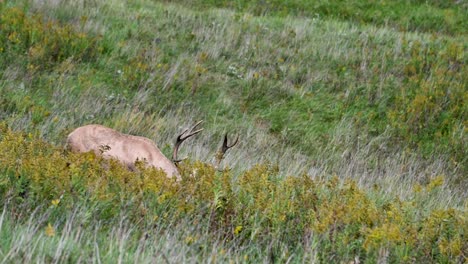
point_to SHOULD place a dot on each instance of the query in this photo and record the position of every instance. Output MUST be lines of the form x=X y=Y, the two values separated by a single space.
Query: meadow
x=351 y=118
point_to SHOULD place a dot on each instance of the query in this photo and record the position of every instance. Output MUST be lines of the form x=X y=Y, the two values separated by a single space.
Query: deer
x=128 y=149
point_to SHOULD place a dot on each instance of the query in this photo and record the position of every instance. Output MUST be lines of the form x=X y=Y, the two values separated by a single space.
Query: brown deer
x=128 y=149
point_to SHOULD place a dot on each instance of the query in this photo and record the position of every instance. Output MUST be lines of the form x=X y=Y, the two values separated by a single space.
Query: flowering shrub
x=431 y=103
x=41 y=43
x=257 y=205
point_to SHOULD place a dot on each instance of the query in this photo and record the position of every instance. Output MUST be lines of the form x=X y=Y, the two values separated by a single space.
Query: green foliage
x=257 y=206
x=428 y=16
x=272 y=72
x=430 y=107
x=40 y=44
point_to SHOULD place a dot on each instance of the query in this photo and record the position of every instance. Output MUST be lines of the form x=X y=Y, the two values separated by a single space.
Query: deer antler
x=181 y=138
x=224 y=148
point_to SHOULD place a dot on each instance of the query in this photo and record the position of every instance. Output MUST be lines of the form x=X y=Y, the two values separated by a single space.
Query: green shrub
x=431 y=103
x=41 y=43
x=427 y=16
x=254 y=207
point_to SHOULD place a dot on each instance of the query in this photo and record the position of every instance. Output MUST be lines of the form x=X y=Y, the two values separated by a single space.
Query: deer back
x=126 y=148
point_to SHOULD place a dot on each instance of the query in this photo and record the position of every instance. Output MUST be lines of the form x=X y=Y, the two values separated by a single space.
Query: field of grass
x=352 y=120
x=446 y=17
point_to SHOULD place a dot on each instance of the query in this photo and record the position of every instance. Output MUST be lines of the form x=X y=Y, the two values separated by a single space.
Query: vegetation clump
x=434 y=16
x=40 y=43
x=253 y=208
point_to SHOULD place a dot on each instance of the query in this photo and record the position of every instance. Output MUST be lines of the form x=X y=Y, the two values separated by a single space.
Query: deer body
x=126 y=148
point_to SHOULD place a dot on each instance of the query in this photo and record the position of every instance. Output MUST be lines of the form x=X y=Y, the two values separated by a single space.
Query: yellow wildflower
x=436 y=182
x=50 y=230
x=237 y=230
x=55 y=202
x=190 y=240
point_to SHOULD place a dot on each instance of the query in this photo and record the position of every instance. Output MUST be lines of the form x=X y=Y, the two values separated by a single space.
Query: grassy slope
x=69 y=207
x=447 y=17
x=295 y=80
x=313 y=95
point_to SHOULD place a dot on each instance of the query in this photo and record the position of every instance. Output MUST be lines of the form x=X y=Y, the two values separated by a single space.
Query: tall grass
x=75 y=199
x=447 y=17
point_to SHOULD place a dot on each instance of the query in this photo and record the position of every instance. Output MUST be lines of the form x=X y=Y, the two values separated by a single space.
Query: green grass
x=447 y=17
x=381 y=101
x=71 y=207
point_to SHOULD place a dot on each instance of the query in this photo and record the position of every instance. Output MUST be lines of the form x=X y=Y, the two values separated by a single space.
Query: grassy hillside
x=353 y=133
x=447 y=17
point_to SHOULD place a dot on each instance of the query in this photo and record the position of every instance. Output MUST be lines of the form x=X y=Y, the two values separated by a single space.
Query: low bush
x=257 y=206
x=38 y=43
